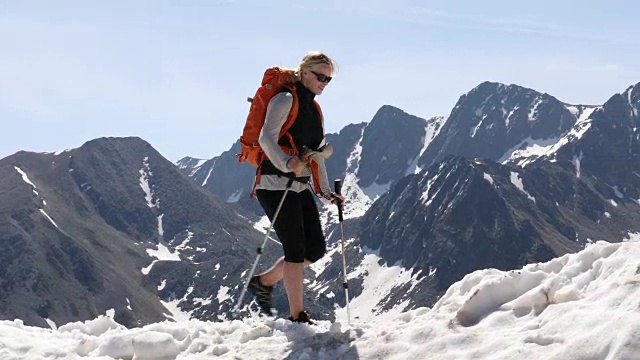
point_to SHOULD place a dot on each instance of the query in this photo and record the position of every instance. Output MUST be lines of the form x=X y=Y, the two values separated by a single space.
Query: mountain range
x=510 y=176
x=83 y=232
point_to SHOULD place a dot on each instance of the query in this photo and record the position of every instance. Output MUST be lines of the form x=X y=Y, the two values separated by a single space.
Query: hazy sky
x=177 y=74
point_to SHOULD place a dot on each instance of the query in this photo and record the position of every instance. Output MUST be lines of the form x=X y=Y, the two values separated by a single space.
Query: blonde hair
x=311 y=59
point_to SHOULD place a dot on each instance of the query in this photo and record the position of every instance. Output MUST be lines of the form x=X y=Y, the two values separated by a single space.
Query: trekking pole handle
x=337 y=185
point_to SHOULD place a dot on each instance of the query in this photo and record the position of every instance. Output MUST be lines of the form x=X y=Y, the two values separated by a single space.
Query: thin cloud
x=471 y=22
x=399 y=11
x=598 y=68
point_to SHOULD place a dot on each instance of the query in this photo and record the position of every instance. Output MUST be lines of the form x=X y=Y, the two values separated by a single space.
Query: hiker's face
x=317 y=78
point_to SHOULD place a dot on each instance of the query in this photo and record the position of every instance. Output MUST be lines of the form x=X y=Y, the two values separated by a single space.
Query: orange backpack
x=274 y=81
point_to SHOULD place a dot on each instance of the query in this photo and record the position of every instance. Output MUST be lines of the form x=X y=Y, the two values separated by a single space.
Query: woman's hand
x=338 y=199
x=296 y=165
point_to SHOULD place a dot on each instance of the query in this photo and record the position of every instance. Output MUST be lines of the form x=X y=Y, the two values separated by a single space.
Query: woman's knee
x=316 y=254
x=294 y=254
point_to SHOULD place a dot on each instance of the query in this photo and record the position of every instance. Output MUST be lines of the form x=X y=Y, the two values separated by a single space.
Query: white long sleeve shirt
x=277 y=113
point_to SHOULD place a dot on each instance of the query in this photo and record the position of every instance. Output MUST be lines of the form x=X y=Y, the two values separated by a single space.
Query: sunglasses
x=321 y=77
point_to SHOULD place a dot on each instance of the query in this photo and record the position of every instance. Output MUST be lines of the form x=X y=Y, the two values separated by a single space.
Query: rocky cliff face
x=102 y=227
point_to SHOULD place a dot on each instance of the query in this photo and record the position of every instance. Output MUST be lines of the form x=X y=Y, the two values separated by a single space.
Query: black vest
x=306 y=129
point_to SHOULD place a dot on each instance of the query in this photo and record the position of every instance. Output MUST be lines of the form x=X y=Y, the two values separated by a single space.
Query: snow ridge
x=578 y=306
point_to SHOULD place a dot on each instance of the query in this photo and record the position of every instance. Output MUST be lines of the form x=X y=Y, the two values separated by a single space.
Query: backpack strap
x=284 y=131
x=315 y=172
x=293 y=114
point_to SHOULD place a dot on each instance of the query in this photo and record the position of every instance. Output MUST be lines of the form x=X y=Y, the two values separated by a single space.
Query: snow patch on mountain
x=263 y=224
x=353 y=161
x=577 y=131
x=357 y=199
x=515 y=180
x=507 y=120
x=633 y=98
x=488 y=178
x=49 y=218
x=533 y=112
x=161 y=253
x=475 y=129
x=233 y=198
x=432 y=128
x=375 y=190
x=379 y=282
x=356 y=203
x=145 y=176
x=60 y=152
x=26 y=179
x=206 y=179
x=189 y=162
x=577 y=161
x=427 y=195
x=528 y=150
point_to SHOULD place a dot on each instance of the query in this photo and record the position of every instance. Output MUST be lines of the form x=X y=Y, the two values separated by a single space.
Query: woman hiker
x=298 y=222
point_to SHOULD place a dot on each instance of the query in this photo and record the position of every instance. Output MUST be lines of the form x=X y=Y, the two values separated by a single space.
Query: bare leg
x=293 y=276
x=276 y=272
x=293 y=284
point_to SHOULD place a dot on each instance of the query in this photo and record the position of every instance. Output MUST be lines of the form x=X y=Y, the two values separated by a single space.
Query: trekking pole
x=264 y=242
x=325 y=152
x=337 y=185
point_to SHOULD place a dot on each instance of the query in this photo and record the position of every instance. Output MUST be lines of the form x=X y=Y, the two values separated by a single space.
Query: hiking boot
x=262 y=294
x=303 y=317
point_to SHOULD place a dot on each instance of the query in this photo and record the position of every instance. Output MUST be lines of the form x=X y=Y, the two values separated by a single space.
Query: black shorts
x=298 y=224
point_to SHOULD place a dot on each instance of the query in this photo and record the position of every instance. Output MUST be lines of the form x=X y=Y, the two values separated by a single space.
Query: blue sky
x=177 y=74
